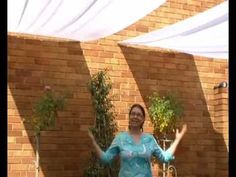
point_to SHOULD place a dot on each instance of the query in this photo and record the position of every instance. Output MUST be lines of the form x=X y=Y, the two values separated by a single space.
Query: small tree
x=105 y=126
x=44 y=115
x=164 y=112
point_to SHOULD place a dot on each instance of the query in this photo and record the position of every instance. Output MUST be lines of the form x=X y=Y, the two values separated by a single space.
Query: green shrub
x=164 y=112
x=45 y=110
x=105 y=127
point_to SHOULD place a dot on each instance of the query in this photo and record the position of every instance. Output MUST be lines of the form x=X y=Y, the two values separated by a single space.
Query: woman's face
x=136 y=117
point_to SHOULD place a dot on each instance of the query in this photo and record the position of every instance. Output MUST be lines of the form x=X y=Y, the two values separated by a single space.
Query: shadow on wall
x=164 y=71
x=32 y=64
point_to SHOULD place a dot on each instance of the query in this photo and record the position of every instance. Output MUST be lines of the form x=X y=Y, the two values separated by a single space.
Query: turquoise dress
x=135 y=157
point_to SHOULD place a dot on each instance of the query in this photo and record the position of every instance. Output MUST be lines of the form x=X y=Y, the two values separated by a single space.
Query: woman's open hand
x=179 y=135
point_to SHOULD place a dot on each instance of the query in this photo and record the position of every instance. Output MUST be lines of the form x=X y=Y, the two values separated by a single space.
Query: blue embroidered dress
x=135 y=157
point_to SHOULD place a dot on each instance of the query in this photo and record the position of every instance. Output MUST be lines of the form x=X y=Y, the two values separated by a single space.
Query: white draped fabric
x=205 y=34
x=82 y=20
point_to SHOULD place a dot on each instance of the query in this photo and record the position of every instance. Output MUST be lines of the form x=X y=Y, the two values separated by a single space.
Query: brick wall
x=67 y=65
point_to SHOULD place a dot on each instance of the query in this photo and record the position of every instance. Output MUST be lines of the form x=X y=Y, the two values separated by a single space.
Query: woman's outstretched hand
x=95 y=145
x=179 y=135
x=91 y=136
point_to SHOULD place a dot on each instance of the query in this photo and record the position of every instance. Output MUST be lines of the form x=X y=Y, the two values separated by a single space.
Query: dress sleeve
x=111 y=152
x=163 y=156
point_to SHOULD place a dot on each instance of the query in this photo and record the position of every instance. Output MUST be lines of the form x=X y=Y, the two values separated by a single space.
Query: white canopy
x=82 y=20
x=205 y=34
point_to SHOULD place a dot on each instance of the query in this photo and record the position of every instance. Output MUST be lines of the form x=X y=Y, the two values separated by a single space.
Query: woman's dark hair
x=141 y=108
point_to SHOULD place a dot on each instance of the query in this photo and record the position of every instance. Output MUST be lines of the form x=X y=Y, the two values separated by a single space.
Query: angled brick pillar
x=221 y=127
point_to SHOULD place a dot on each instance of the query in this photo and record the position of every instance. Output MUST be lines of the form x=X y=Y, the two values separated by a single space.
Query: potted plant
x=165 y=111
x=44 y=116
x=104 y=125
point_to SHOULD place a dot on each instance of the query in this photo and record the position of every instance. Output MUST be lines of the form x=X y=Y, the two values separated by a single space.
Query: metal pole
x=164 y=164
x=37 y=156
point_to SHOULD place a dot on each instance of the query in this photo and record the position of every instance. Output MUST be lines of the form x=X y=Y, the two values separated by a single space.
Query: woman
x=135 y=148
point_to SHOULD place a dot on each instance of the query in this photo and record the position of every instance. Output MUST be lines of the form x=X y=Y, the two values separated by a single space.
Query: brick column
x=221 y=128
